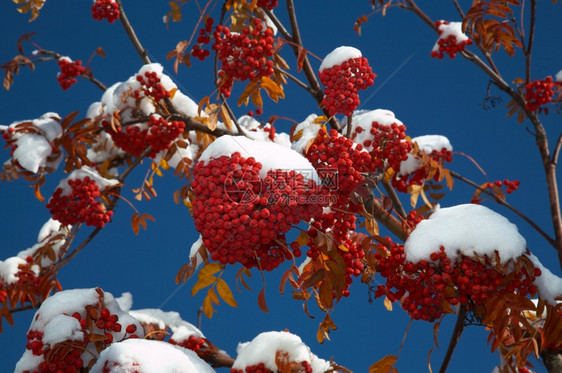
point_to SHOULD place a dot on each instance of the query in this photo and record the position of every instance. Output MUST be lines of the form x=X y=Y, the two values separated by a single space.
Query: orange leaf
x=203 y=283
x=261 y=301
x=384 y=365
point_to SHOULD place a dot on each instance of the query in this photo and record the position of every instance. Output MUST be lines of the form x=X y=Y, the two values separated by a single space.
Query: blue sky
x=430 y=96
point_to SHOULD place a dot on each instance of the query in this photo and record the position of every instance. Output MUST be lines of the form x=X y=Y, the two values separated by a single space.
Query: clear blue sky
x=430 y=96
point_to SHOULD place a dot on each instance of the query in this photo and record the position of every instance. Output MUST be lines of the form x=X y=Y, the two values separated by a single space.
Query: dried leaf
x=261 y=300
x=384 y=365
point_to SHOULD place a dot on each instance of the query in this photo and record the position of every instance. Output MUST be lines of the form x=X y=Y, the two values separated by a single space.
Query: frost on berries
x=451 y=39
x=245 y=200
x=69 y=70
x=343 y=73
x=77 y=199
x=105 y=9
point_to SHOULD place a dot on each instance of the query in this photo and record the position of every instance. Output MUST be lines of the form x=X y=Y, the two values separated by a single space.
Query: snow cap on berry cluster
x=427 y=143
x=52 y=319
x=468 y=229
x=558 y=76
x=33 y=149
x=264 y=347
x=365 y=119
x=304 y=133
x=450 y=29
x=339 y=56
x=181 y=329
x=82 y=173
x=255 y=131
x=144 y=355
x=548 y=284
x=271 y=155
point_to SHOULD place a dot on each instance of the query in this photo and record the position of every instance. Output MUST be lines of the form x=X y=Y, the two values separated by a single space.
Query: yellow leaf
x=387 y=304
x=208 y=307
x=225 y=293
x=248 y=91
x=372 y=226
x=273 y=90
x=209 y=269
x=256 y=99
x=203 y=283
x=204 y=101
x=211 y=293
x=225 y=117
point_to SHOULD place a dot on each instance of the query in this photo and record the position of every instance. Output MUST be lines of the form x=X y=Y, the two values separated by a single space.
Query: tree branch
x=549 y=239
x=143 y=54
x=307 y=68
x=531 y=38
x=459 y=327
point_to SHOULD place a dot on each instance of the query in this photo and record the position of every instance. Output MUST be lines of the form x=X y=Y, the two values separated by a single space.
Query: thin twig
x=296 y=80
x=459 y=9
x=459 y=327
x=394 y=198
x=132 y=35
x=306 y=67
x=557 y=150
x=550 y=240
x=531 y=38
x=231 y=114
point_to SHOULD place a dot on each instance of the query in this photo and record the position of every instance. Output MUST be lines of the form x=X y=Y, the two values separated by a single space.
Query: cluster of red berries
x=388 y=145
x=429 y=288
x=243 y=56
x=402 y=182
x=511 y=186
x=261 y=368
x=69 y=71
x=105 y=9
x=259 y=111
x=151 y=87
x=64 y=357
x=192 y=343
x=449 y=45
x=268 y=4
x=159 y=136
x=338 y=160
x=80 y=205
x=342 y=83
x=243 y=218
x=204 y=38
x=539 y=93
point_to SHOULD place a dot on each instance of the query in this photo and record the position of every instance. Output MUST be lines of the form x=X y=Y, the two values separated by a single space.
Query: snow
x=427 y=143
x=61 y=328
x=32 y=149
x=271 y=155
x=453 y=28
x=548 y=284
x=125 y=301
x=339 y=56
x=468 y=228
x=50 y=229
x=9 y=268
x=558 y=76
x=263 y=349
x=308 y=131
x=194 y=251
x=82 y=173
x=149 y=356
x=32 y=152
x=365 y=119
x=181 y=329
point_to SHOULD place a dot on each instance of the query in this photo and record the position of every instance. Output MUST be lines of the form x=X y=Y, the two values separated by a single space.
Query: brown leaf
x=261 y=300
x=384 y=365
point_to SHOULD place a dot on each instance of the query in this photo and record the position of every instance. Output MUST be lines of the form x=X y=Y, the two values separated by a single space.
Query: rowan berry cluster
x=261 y=368
x=387 y=145
x=81 y=205
x=268 y=4
x=340 y=160
x=429 y=288
x=539 y=93
x=243 y=218
x=511 y=186
x=69 y=71
x=105 y=9
x=192 y=343
x=448 y=43
x=134 y=140
x=342 y=83
x=151 y=87
x=245 y=55
x=402 y=182
x=204 y=38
